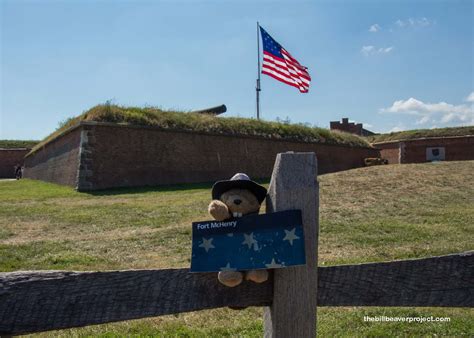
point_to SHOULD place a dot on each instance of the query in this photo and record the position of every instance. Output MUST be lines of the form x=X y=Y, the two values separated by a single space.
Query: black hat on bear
x=239 y=181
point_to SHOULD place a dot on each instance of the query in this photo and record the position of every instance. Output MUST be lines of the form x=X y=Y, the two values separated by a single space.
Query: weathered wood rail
x=36 y=301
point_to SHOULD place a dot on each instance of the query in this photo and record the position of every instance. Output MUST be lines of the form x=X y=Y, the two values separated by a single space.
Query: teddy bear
x=237 y=197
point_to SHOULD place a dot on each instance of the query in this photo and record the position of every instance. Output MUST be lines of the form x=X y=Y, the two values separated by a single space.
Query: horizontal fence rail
x=445 y=281
x=35 y=301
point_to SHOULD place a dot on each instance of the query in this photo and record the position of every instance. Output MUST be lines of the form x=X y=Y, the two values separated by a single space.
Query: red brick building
x=350 y=127
x=448 y=148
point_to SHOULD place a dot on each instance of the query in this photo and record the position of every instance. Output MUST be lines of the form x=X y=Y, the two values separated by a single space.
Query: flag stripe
x=283 y=71
x=282 y=66
x=278 y=77
x=285 y=63
x=293 y=60
x=286 y=80
x=300 y=70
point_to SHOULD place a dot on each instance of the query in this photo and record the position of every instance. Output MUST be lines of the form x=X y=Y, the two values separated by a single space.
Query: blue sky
x=392 y=65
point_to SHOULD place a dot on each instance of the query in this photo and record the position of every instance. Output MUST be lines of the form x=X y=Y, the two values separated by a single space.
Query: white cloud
x=374 y=28
x=372 y=50
x=441 y=112
x=414 y=22
x=385 y=50
x=366 y=50
x=424 y=120
x=400 y=23
x=470 y=97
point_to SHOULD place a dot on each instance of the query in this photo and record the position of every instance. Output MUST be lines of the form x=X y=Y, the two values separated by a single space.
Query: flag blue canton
x=270 y=45
x=267 y=241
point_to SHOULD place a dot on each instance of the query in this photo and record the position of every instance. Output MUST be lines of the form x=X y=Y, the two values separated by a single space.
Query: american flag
x=280 y=65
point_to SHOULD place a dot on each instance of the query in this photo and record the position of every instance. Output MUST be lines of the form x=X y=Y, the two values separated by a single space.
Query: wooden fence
x=36 y=301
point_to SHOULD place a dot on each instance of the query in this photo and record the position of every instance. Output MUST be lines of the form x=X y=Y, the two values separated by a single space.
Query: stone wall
x=57 y=161
x=9 y=159
x=123 y=156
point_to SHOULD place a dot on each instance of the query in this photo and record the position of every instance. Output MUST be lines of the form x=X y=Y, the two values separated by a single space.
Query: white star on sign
x=273 y=264
x=227 y=268
x=207 y=244
x=249 y=240
x=290 y=236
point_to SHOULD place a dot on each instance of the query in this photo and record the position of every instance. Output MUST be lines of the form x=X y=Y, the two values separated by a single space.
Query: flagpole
x=257 y=88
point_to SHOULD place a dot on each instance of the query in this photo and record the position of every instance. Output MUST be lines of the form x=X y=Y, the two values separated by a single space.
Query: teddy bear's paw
x=230 y=278
x=218 y=210
x=257 y=276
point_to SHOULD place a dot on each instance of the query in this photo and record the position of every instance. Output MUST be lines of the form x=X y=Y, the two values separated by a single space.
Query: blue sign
x=252 y=242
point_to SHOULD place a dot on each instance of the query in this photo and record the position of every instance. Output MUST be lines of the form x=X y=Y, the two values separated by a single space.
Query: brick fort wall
x=57 y=161
x=9 y=159
x=457 y=148
x=126 y=156
x=389 y=151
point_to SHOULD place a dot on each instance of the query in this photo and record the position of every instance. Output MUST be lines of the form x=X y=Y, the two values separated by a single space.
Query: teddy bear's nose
x=237 y=201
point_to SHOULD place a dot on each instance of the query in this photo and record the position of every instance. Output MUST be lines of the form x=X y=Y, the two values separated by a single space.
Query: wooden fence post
x=294 y=186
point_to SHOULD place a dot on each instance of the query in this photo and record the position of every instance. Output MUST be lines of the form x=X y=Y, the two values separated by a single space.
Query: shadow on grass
x=160 y=188
x=148 y=189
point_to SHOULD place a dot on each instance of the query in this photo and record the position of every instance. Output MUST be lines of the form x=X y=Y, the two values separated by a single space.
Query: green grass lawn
x=370 y=214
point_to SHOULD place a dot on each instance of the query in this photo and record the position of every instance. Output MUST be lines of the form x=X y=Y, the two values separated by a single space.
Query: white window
x=435 y=154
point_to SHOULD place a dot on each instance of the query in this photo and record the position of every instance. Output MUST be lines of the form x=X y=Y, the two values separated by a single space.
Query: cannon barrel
x=213 y=110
